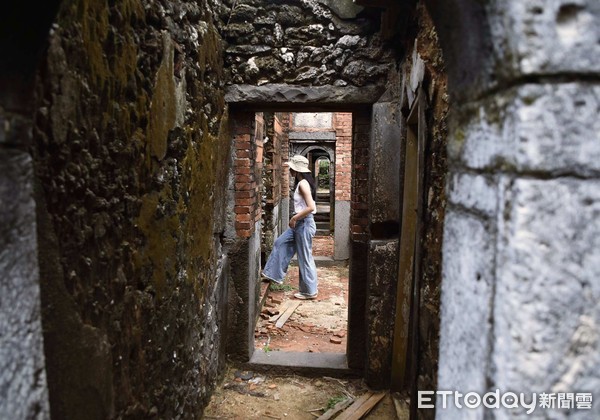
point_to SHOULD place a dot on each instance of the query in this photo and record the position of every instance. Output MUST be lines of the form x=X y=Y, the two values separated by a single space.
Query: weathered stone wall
x=23 y=382
x=22 y=369
x=132 y=156
x=520 y=269
x=434 y=189
x=302 y=42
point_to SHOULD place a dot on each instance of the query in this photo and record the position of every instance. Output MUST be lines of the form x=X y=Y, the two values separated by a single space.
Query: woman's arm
x=304 y=188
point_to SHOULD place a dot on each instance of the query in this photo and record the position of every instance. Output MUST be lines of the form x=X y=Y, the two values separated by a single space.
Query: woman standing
x=298 y=237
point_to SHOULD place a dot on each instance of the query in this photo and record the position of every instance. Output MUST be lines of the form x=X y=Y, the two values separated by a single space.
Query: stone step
x=321 y=261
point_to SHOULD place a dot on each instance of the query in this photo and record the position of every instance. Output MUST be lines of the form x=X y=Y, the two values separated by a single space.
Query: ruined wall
x=23 y=382
x=435 y=181
x=272 y=179
x=521 y=253
x=302 y=42
x=244 y=289
x=342 y=123
x=22 y=368
x=400 y=116
x=359 y=222
x=131 y=155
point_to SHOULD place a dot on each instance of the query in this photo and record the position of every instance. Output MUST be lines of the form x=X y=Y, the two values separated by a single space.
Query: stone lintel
x=315 y=135
x=293 y=95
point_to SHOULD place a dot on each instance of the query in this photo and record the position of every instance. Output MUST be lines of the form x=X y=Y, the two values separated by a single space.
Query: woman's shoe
x=304 y=296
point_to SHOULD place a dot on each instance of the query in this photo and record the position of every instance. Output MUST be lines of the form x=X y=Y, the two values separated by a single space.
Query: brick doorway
x=247 y=199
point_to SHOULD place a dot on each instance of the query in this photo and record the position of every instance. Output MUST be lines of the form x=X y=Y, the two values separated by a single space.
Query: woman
x=298 y=238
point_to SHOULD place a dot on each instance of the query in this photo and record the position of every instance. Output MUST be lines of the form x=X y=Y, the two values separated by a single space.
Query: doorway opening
x=286 y=324
x=315 y=335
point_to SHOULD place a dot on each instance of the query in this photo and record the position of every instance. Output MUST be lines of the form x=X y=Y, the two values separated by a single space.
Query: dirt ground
x=245 y=395
x=318 y=325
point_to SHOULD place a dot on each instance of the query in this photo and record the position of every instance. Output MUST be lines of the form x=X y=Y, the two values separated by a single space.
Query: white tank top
x=299 y=203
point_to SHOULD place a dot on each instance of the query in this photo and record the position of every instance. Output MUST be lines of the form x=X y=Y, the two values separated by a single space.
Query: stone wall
x=520 y=269
x=23 y=381
x=434 y=186
x=302 y=42
x=22 y=367
x=132 y=156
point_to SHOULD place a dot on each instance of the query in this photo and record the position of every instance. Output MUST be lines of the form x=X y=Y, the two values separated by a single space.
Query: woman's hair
x=311 y=181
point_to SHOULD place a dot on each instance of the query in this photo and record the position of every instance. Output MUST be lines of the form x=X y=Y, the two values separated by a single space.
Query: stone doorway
x=246 y=259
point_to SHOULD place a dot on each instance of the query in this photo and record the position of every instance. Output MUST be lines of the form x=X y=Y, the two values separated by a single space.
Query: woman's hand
x=293 y=222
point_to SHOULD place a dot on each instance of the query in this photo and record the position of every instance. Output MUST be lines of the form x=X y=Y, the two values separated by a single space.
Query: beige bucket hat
x=298 y=163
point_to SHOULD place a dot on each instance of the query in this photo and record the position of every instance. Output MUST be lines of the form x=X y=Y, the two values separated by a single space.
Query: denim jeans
x=286 y=245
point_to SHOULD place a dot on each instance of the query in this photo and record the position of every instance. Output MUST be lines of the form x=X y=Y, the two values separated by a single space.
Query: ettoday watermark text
x=509 y=400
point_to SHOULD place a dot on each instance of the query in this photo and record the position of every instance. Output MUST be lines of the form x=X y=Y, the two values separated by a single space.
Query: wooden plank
x=406 y=255
x=329 y=414
x=362 y=406
x=352 y=409
x=289 y=311
x=402 y=409
x=282 y=308
x=413 y=358
x=368 y=406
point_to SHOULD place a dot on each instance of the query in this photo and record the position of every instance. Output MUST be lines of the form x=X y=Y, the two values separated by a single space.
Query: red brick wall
x=279 y=140
x=247 y=200
x=342 y=123
x=360 y=163
x=284 y=121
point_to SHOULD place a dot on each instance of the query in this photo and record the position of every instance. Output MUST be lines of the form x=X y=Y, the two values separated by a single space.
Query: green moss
x=93 y=17
x=163 y=108
x=205 y=174
x=160 y=249
x=210 y=53
x=107 y=62
x=459 y=136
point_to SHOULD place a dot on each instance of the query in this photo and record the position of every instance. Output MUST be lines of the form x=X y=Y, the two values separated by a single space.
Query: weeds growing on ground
x=281 y=287
x=334 y=400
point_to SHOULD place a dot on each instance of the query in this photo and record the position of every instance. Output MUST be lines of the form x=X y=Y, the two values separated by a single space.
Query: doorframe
x=240 y=345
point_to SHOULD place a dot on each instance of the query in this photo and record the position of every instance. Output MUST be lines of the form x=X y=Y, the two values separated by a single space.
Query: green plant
x=281 y=287
x=334 y=400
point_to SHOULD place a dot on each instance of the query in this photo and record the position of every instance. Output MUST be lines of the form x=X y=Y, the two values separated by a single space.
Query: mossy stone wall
x=132 y=156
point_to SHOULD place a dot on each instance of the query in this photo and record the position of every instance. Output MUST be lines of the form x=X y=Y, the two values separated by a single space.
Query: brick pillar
x=342 y=123
x=245 y=256
x=360 y=178
x=343 y=154
x=247 y=201
x=359 y=239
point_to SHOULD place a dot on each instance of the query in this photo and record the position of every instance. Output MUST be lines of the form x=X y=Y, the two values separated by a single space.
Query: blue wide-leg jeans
x=297 y=240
